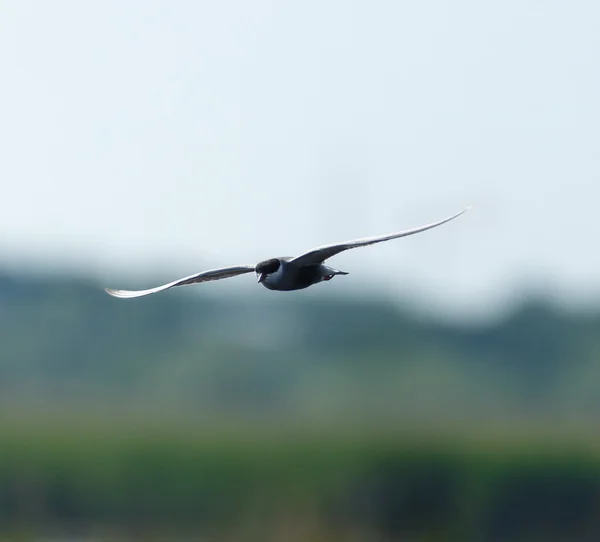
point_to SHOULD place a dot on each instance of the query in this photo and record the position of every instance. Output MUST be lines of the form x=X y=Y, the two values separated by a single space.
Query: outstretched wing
x=320 y=254
x=205 y=276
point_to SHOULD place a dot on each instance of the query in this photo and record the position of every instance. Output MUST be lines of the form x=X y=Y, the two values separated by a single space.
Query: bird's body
x=286 y=273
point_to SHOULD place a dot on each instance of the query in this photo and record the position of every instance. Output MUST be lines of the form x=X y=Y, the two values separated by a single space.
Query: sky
x=154 y=138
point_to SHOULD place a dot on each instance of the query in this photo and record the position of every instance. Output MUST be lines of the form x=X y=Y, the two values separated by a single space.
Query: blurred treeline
x=293 y=417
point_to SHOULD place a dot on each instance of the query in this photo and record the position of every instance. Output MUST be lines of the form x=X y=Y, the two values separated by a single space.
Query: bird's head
x=267 y=267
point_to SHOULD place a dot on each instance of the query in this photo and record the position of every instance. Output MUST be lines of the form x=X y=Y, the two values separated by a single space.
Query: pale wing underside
x=205 y=276
x=320 y=254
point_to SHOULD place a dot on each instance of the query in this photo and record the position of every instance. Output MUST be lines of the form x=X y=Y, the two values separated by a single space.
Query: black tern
x=286 y=273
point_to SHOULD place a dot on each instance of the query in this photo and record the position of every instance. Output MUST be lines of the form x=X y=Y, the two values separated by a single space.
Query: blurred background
x=447 y=389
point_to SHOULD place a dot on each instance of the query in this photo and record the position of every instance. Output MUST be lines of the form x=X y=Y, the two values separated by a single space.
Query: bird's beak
x=261 y=277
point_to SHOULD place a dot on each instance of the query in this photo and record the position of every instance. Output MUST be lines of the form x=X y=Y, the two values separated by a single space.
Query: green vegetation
x=292 y=418
x=206 y=482
x=65 y=343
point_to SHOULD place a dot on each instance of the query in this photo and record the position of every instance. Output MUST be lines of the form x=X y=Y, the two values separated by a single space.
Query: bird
x=287 y=273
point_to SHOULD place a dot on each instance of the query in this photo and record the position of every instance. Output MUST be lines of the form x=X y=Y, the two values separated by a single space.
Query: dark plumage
x=268 y=266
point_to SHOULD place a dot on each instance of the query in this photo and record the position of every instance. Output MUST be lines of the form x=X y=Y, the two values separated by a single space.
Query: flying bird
x=286 y=273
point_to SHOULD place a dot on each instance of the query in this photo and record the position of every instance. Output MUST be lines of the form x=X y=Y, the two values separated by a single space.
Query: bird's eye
x=327 y=277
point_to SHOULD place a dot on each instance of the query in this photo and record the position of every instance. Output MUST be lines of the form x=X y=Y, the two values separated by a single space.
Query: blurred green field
x=151 y=482
x=298 y=418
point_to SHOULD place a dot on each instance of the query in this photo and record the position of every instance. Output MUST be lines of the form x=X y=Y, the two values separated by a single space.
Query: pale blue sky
x=178 y=135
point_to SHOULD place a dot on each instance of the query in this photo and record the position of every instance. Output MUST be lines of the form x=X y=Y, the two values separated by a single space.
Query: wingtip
x=463 y=211
x=122 y=294
x=128 y=294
